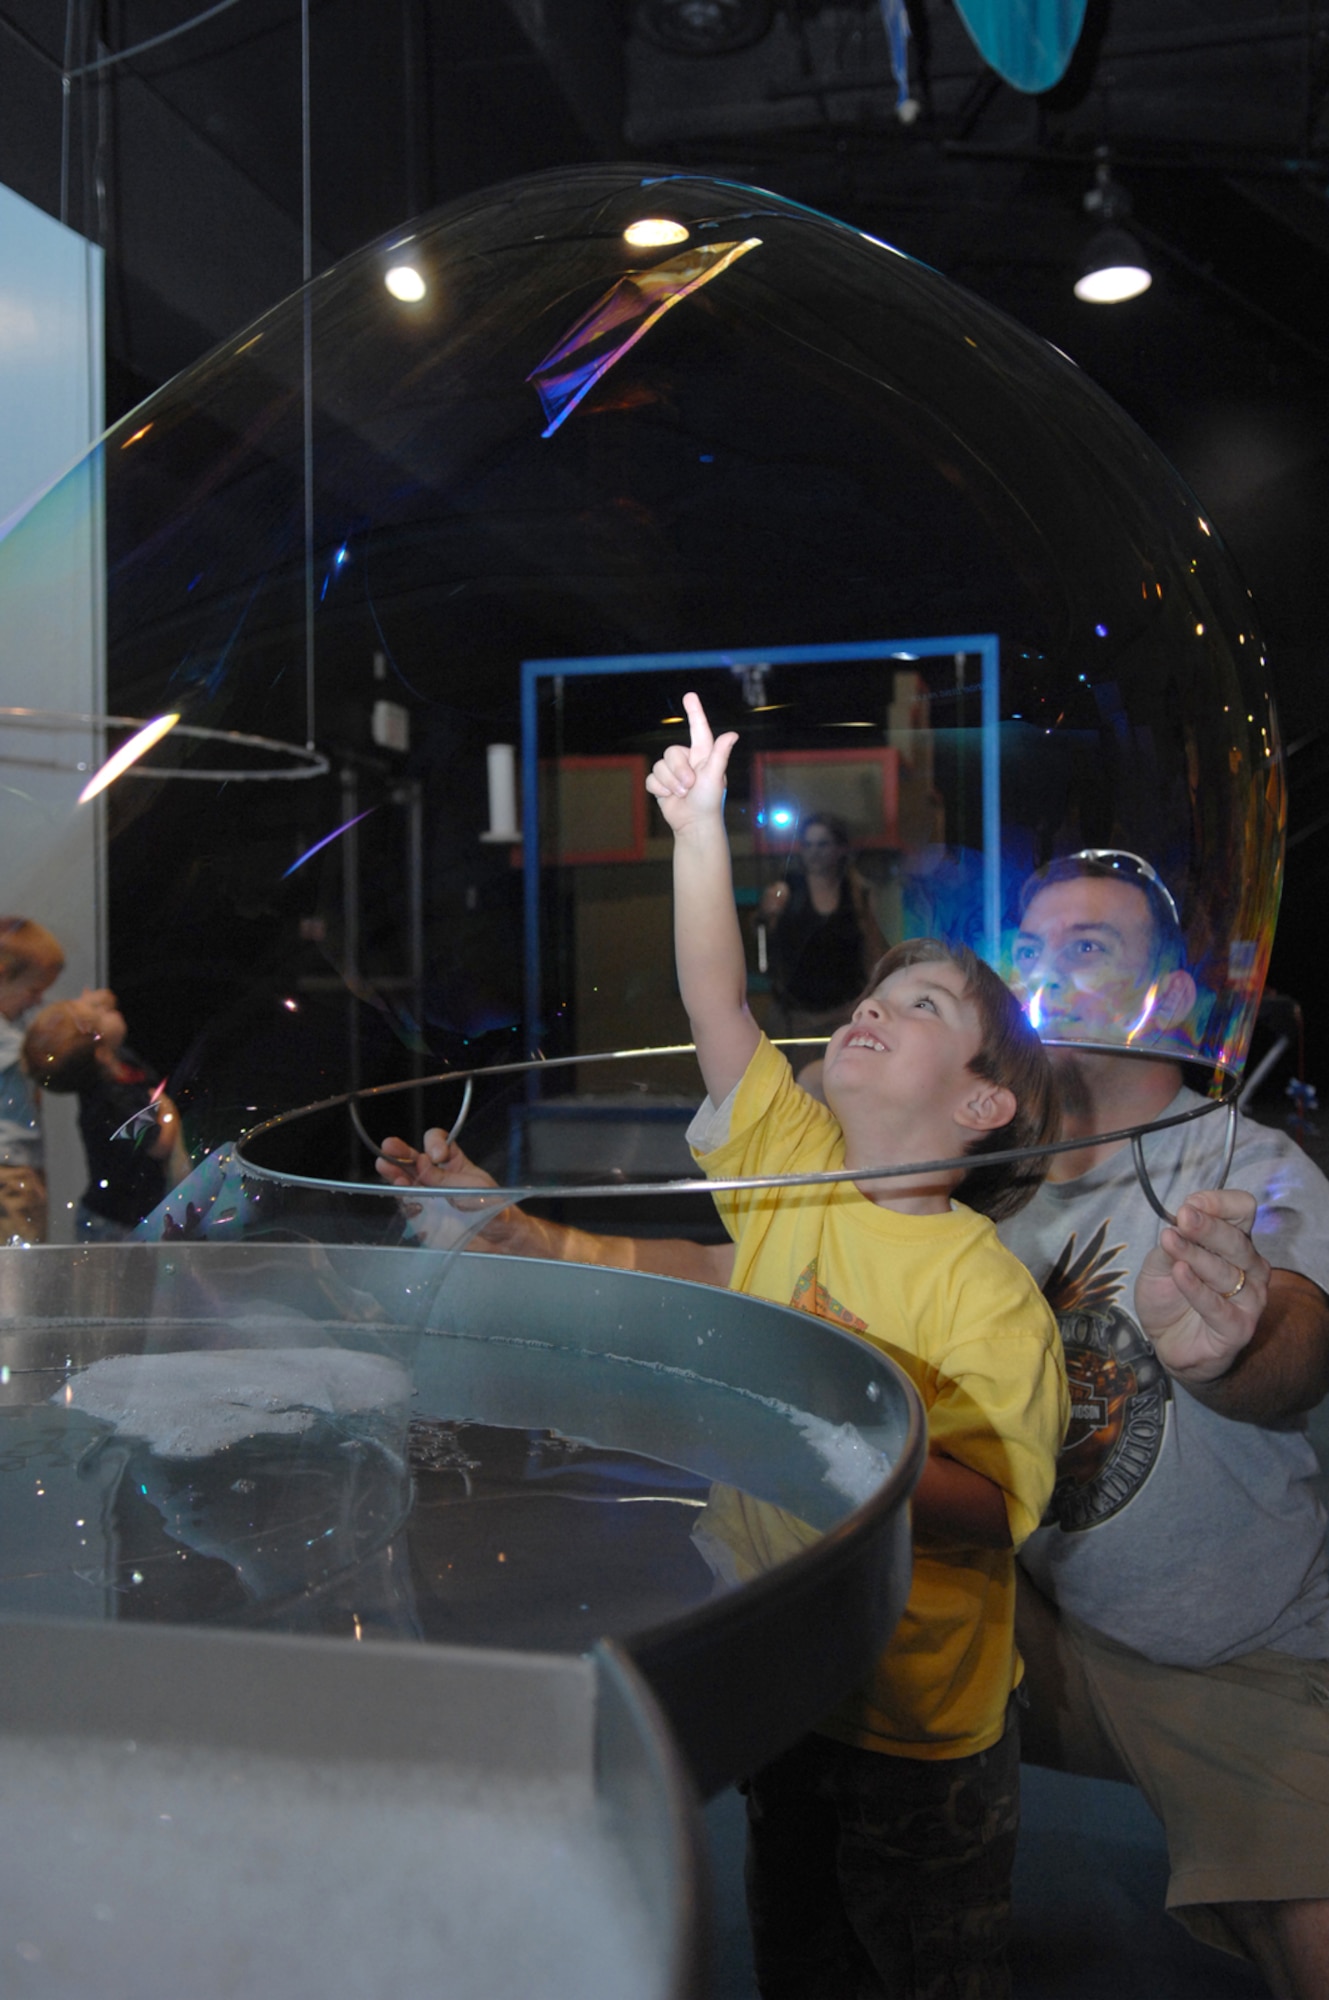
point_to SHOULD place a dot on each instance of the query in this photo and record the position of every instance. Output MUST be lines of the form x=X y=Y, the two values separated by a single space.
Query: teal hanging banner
x=1029 y=42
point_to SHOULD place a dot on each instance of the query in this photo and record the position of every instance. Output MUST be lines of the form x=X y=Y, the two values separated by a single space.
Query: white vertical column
x=52 y=587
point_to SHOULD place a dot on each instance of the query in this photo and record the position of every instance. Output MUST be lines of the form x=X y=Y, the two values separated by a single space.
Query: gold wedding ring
x=1241 y=1279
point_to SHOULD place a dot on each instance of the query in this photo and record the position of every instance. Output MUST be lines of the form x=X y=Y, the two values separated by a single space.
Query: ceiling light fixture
x=653 y=232
x=1113 y=267
x=405 y=283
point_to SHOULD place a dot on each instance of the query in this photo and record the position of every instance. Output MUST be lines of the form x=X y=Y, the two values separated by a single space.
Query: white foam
x=159 y=1872
x=853 y=1466
x=191 y=1405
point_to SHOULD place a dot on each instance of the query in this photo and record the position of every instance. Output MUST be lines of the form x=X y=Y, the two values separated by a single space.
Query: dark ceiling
x=185 y=161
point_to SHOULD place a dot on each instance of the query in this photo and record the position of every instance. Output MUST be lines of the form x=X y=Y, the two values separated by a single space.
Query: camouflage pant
x=883 y=1878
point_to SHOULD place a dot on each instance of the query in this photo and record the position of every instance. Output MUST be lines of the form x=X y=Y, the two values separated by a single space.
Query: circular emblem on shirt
x=1119 y=1396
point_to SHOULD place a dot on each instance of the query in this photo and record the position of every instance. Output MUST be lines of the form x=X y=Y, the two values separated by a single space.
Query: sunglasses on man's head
x=1131 y=868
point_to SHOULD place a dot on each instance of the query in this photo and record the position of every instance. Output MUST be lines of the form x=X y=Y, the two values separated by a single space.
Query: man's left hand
x=1200 y=1293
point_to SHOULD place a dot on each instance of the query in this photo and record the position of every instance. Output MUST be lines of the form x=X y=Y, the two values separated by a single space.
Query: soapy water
x=97 y=1523
x=294 y=1489
x=529 y=1538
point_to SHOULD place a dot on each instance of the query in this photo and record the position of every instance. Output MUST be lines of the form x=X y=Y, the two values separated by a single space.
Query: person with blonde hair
x=30 y=961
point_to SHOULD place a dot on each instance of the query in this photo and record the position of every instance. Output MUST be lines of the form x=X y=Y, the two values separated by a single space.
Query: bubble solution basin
x=219 y=1460
x=226 y=1815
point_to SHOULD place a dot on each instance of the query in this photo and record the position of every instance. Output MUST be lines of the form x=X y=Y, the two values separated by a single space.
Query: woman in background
x=822 y=939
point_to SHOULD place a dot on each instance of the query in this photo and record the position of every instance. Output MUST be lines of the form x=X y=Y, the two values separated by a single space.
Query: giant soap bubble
x=452 y=548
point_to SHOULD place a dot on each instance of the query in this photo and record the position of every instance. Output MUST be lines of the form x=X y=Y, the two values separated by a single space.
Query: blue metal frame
x=984 y=644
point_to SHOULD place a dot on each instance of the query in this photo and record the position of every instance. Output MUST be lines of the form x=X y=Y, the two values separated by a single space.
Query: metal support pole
x=413 y=794
x=350 y=893
x=307 y=356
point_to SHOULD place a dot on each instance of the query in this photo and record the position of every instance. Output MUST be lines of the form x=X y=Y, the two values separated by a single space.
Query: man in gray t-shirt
x=1178 y=1633
x=1174 y=1529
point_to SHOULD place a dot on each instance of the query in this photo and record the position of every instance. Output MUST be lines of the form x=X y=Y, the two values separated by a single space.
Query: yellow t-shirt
x=965 y=1321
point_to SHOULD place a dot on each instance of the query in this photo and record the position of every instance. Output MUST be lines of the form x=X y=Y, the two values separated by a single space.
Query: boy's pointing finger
x=701 y=738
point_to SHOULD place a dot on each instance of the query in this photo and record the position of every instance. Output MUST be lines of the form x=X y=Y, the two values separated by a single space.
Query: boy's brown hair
x=1009 y=1053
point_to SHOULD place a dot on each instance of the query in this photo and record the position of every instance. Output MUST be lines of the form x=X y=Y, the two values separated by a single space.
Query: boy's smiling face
x=897 y=1076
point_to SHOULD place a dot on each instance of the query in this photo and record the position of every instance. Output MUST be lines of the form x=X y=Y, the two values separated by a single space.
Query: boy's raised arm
x=689 y=783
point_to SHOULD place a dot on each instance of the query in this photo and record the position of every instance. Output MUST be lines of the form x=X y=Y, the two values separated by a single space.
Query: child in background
x=79 y=1046
x=30 y=961
x=881 y=1847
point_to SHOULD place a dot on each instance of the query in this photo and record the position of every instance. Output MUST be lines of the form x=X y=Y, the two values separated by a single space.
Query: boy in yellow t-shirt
x=880 y=1848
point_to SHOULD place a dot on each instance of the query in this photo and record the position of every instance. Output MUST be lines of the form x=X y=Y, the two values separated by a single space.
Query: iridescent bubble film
x=425 y=578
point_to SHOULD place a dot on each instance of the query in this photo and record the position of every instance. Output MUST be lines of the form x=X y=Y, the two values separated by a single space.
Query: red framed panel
x=862 y=787
x=592 y=809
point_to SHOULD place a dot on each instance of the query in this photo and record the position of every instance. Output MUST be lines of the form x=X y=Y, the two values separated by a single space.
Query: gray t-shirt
x=1185 y=1535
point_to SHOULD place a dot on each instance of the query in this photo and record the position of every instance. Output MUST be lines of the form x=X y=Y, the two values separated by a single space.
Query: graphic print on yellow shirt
x=811 y=1296
x=1119 y=1388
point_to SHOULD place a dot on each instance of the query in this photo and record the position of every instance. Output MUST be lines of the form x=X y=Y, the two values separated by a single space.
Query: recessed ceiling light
x=653 y=232
x=405 y=283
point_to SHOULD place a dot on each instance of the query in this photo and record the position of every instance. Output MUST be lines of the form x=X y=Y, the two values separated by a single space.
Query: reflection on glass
x=630 y=309
x=128 y=753
x=741 y=1537
x=405 y=283
x=653 y=232
x=1099 y=956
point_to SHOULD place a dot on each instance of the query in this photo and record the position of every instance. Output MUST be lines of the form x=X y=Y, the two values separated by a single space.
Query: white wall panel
x=52 y=588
